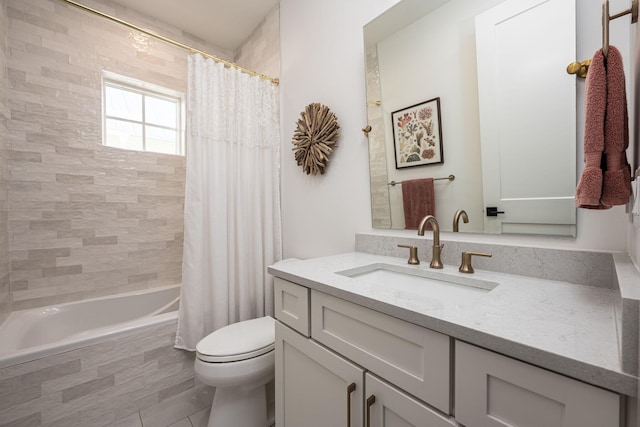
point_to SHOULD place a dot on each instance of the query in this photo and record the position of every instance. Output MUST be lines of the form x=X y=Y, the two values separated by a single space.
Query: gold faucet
x=465 y=266
x=437 y=247
x=413 y=254
x=456 y=219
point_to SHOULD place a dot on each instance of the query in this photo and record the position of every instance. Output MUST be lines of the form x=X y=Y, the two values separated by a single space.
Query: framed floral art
x=417 y=134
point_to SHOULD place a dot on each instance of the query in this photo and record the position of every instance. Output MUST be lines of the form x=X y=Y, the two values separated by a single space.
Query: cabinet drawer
x=495 y=390
x=413 y=358
x=291 y=305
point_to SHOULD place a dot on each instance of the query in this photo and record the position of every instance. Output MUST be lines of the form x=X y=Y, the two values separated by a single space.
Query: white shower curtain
x=232 y=200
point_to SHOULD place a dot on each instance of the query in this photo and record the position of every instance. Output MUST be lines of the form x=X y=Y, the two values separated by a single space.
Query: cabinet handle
x=350 y=389
x=370 y=401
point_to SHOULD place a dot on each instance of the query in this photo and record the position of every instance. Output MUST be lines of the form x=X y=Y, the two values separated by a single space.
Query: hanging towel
x=418 y=201
x=616 y=188
x=589 y=188
x=606 y=179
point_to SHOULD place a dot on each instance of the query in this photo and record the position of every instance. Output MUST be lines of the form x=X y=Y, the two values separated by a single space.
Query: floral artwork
x=417 y=134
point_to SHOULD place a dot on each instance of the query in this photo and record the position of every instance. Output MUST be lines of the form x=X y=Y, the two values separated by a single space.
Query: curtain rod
x=170 y=41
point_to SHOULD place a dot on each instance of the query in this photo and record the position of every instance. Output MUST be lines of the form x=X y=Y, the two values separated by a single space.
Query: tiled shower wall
x=5 y=301
x=86 y=220
x=260 y=51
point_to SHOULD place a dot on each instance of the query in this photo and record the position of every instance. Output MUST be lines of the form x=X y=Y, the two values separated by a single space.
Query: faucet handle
x=413 y=254
x=466 y=266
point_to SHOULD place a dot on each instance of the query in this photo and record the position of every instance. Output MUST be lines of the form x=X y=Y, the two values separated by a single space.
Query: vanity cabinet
x=358 y=367
x=495 y=390
x=413 y=358
x=316 y=387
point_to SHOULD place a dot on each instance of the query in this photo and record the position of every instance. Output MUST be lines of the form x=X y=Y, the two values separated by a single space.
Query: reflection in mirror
x=420 y=50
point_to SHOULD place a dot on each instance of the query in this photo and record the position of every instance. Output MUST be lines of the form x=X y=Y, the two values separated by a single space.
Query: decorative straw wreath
x=315 y=138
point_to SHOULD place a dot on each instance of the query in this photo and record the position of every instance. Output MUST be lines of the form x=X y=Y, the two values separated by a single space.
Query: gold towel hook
x=581 y=68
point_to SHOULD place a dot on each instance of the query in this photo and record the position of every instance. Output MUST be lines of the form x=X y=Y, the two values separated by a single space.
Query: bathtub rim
x=99 y=335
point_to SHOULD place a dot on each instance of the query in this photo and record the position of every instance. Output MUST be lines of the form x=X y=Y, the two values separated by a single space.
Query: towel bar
x=448 y=178
x=581 y=68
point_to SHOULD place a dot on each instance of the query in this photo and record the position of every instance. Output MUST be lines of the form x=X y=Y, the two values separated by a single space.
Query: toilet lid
x=239 y=341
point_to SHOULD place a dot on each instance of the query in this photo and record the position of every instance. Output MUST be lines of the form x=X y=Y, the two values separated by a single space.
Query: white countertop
x=566 y=328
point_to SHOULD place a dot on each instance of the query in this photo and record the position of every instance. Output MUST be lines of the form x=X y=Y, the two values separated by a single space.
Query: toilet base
x=239 y=406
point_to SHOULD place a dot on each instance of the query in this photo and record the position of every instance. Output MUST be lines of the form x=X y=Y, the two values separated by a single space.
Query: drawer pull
x=350 y=389
x=370 y=401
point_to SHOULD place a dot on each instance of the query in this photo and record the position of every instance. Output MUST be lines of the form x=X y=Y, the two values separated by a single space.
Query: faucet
x=456 y=219
x=437 y=247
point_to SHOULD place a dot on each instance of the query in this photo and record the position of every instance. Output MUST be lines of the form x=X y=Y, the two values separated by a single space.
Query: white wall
x=322 y=60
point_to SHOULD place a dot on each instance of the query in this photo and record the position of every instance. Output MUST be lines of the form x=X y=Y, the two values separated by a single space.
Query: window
x=141 y=116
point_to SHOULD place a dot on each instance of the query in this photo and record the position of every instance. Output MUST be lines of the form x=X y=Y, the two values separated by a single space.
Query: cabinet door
x=493 y=390
x=391 y=407
x=314 y=386
x=414 y=358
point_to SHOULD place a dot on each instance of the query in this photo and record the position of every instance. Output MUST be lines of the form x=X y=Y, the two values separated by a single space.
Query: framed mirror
x=507 y=110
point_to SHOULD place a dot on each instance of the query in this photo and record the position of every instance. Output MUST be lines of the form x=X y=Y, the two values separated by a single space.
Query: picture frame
x=417 y=134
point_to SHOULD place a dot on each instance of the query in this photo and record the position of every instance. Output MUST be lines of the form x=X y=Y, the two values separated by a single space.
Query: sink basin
x=412 y=277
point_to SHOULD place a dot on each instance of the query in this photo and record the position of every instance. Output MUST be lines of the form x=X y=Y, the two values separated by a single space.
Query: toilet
x=238 y=360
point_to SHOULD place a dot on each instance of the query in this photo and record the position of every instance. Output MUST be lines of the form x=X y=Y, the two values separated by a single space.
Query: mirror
x=506 y=104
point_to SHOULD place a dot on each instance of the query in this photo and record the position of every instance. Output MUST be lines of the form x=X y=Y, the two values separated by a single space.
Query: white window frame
x=144 y=88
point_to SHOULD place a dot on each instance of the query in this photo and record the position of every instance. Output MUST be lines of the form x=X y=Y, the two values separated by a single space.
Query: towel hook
x=581 y=68
x=606 y=18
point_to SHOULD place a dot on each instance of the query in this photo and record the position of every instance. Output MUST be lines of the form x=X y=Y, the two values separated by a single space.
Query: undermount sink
x=397 y=275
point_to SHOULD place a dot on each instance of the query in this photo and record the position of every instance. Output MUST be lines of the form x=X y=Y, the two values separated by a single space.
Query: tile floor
x=198 y=419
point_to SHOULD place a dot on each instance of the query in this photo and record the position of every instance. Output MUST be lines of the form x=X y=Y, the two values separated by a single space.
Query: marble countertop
x=563 y=327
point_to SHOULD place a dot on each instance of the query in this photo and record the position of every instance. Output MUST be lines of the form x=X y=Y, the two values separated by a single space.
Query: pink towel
x=616 y=188
x=418 y=201
x=590 y=186
x=606 y=180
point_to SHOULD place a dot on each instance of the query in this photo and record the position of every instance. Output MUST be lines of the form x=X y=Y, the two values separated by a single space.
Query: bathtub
x=32 y=334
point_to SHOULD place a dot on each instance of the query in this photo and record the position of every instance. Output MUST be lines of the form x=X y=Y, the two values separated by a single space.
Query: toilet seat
x=238 y=341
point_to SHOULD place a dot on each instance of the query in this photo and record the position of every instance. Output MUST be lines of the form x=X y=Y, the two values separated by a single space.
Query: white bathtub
x=32 y=334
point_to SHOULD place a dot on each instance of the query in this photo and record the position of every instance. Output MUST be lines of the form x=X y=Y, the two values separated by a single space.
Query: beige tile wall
x=87 y=220
x=260 y=51
x=103 y=384
x=5 y=301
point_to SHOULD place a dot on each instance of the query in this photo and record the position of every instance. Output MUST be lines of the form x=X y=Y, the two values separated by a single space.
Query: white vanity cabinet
x=315 y=387
x=493 y=390
x=359 y=367
x=411 y=357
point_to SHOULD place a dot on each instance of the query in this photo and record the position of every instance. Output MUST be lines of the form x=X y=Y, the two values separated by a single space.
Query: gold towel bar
x=448 y=178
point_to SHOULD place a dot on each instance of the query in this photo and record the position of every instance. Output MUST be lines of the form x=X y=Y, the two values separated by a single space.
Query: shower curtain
x=232 y=200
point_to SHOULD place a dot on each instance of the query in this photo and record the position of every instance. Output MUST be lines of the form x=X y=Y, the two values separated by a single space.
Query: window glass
x=160 y=111
x=160 y=140
x=140 y=116
x=123 y=104
x=121 y=134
